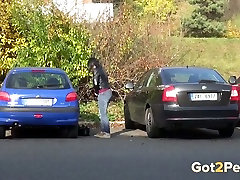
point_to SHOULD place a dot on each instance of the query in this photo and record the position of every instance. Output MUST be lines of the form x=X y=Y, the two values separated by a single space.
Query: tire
x=2 y=132
x=227 y=132
x=152 y=130
x=129 y=124
x=16 y=133
x=70 y=132
x=83 y=131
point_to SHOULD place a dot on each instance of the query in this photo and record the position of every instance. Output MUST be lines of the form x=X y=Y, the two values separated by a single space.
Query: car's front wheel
x=152 y=130
x=226 y=132
x=2 y=132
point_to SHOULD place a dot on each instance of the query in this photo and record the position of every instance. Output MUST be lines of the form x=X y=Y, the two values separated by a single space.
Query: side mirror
x=232 y=80
x=129 y=85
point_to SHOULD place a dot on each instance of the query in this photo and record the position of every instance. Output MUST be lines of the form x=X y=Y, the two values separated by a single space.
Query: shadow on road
x=177 y=133
x=121 y=132
x=192 y=134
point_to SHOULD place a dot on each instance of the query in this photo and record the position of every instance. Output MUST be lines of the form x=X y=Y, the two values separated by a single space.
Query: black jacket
x=100 y=79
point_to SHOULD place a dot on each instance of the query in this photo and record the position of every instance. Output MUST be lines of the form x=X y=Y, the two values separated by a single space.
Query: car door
x=134 y=98
x=144 y=94
x=148 y=93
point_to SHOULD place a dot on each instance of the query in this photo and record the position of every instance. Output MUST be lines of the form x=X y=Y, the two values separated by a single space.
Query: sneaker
x=103 y=135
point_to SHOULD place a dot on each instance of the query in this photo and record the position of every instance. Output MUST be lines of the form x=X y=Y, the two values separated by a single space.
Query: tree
x=10 y=39
x=205 y=20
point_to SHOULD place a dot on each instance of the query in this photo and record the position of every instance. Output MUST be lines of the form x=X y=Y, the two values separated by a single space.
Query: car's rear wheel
x=152 y=130
x=129 y=124
x=2 y=132
x=16 y=132
x=226 y=132
x=70 y=132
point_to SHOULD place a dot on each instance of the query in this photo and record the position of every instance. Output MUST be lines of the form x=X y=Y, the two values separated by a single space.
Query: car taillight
x=4 y=96
x=234 y=94
x=71 y=97
x=169 y=94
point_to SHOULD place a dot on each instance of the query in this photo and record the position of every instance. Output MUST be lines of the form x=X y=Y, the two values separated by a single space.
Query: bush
x=232 y=30
x=130 y=45
x=52 y=39
x=160 y=9
x=205 y=20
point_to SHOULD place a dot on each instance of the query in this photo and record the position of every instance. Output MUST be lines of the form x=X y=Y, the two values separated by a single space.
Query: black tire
x=16 y=133
x=227 y=132
x=152 y=130
x=70 y=132
x=83 y=131
x=129 y=124
x=2 y=132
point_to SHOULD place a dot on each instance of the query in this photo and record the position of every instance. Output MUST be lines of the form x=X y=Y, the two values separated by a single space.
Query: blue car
x=38 y=97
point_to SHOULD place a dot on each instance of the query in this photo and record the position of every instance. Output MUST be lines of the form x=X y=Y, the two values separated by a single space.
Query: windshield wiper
x=207 y=81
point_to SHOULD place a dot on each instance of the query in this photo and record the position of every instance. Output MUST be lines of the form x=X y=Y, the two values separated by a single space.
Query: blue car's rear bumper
x=50 y=116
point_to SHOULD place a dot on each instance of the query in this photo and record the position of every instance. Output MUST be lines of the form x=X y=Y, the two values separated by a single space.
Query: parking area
x=127 y=155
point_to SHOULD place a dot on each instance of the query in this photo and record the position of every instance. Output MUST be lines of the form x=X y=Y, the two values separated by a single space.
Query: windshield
x=191 y=75
x=37 y=80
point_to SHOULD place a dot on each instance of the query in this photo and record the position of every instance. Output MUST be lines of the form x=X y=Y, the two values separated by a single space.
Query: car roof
x=26 y=69
x=186 y=67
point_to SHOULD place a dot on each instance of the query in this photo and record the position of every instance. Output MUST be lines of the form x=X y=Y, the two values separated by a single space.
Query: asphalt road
x=127 y=155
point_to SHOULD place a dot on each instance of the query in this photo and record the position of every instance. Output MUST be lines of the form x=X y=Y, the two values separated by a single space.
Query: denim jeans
x=103 y=101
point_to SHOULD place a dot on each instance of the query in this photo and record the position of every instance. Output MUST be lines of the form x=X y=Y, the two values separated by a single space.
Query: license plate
x=37 y=102
x=203 y=96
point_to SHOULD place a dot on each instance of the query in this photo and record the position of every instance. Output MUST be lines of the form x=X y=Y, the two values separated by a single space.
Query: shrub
x=205 y=20
x=130 y=45
x=232 y=30
x=160 y=9
x=52 y=39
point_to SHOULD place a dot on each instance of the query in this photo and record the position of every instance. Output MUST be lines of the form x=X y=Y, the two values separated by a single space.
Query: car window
x=37 y=80
x=191 y=75
x=142 y=81
x=152 y=81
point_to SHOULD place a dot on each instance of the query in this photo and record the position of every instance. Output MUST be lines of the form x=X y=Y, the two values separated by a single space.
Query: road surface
x=127 y=155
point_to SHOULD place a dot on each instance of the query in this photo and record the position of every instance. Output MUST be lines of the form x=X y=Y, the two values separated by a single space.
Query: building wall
x=87 y=1
x=86 y=9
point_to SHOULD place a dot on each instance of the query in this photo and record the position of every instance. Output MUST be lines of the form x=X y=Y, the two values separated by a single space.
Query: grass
x=219 y=53
x=89 y=111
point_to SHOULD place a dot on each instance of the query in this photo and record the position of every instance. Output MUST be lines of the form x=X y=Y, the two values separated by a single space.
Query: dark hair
x=93 y=61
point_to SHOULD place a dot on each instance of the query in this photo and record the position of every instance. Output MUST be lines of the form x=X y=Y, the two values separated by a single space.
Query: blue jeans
x=103 y=101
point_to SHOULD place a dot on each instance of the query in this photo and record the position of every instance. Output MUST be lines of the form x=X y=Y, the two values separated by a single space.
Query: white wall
x=89 y=11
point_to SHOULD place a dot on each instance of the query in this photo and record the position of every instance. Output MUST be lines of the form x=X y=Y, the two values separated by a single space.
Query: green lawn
x=219 y=53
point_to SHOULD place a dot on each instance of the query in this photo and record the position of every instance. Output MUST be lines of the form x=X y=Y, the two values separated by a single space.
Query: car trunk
x=203 y=94
x=38 y=97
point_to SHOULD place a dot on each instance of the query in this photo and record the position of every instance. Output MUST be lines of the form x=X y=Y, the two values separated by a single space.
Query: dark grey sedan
x=182 y=97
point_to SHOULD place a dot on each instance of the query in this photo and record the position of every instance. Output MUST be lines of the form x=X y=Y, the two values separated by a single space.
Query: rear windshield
x=37 y=80
x=191 y=75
